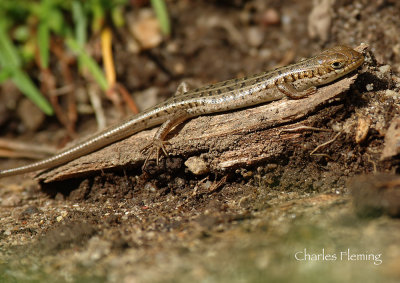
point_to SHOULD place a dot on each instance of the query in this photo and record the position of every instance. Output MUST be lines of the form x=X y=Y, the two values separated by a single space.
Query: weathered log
x=229 y=140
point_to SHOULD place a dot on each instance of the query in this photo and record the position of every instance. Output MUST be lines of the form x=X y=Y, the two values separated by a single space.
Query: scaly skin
x=295 y=81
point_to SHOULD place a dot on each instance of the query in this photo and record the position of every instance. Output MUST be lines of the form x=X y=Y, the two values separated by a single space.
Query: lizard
x=294 y=81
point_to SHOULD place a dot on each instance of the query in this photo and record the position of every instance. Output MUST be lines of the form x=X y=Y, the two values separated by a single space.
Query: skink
x=295 y=81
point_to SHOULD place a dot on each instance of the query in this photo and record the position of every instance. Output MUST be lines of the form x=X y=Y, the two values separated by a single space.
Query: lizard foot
x=157 y=146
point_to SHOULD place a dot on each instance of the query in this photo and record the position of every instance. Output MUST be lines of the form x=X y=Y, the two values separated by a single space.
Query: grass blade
x=8 y=53
x=10 y=62
x=80 y=22
x=89 y=63
x=162 y=15
x=27 y=87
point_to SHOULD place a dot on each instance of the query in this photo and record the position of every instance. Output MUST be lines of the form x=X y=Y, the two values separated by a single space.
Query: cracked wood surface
x=225 y=140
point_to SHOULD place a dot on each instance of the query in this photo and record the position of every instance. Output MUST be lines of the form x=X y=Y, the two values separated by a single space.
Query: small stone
x=172 y=47
x=247 y=174
x=255 y=36
x=271 y=17
x=384 y=69
x=363 y=125
x=179 y=68
x=392 y=93
x=197 y=165
x=146 y=29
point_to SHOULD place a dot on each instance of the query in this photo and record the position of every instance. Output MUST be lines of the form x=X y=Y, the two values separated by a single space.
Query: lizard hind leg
x=157 y=145
x=154 y=147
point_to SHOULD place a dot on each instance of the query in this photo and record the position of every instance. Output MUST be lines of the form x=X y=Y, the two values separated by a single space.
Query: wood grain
x=226 y=141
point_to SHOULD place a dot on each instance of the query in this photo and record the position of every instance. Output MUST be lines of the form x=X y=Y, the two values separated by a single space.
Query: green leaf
x=56 y=21
x=89 y=63
x=10 y=62
x=98 y=14
x=27 y=51
x=5 y=74
x=162 y=15
x=8 y=52
x=21 y=33
x=80 y=22
x=27 y=87
x=117 y=16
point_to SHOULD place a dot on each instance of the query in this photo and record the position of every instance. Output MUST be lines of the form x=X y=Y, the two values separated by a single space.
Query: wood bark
x=226 y=141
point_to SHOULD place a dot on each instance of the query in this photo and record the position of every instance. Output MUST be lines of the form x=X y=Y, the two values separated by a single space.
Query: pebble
x=197 y=165
x=363 y=125
x=384 y=69
x=271 y=17
x=392 y=93
x=255 y=36
x=146 y=29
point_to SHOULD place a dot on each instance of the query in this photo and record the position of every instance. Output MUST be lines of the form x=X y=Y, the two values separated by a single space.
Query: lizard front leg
x=289 y=90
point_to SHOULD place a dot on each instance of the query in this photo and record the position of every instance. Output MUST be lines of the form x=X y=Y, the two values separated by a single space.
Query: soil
x=289 y=217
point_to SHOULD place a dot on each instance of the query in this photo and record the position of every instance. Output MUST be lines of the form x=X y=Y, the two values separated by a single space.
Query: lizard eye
x=337 y=65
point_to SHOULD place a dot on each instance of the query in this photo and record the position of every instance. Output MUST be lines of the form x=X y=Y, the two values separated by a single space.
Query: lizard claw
x=156 y=146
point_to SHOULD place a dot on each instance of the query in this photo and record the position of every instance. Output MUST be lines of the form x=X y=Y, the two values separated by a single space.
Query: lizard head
x=340 y=59
x=326 y=67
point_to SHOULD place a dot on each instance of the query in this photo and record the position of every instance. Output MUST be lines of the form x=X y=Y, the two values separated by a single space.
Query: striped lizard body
x=295 y=81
